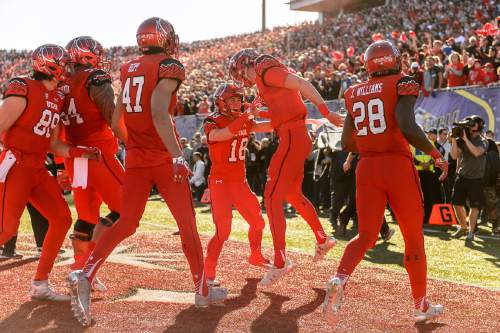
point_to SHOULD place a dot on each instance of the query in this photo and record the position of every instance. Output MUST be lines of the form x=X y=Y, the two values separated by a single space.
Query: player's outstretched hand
x=92 y=153
x=440 y=163
x=181 y=169
x=335 y=119
x=63 y=180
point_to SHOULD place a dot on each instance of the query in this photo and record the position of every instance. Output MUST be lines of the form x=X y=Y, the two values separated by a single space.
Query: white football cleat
x=433 y=311
x=80 y=288
x=322 y=249
x=40 y=290
x=216 y=296
x=333 y=300
x=274 y=274
x=97 y=285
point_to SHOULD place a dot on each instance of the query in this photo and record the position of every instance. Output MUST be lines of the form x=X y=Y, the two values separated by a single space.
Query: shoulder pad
x=407 y=86
x=171 y=69
x=16 y=87
x=98 y=77
x=264 y=62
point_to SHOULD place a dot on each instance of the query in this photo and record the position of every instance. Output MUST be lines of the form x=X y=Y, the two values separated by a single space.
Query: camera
x=461 y=126
x=465 y=125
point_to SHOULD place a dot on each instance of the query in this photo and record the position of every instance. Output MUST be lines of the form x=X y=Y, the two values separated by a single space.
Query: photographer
x=468 y=147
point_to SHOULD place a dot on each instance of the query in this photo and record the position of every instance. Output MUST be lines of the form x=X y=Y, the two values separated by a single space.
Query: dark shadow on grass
x=37 y=315
x=15 y=263
x=381 y=254
x=488 y=246
x=428 y=327
x=193 y=319
x=274 y=320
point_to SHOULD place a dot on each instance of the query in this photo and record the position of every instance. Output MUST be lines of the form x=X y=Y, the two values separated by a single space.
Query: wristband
x=238 y=124
x=323 y=109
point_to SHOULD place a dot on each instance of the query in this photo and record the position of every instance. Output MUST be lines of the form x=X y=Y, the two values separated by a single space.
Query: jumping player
x=29 y=119
x=149 y=93
x=281 y=90
x=227 y=131
x=87 y=119
x=380 y=124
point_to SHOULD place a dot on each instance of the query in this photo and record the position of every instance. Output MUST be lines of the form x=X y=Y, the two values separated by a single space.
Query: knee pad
x=109 y=219
x=82 y=231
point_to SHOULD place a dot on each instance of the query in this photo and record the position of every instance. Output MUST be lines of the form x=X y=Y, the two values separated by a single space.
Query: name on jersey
x=133 y=67
x=242 y=132
x=369 y=89
x=51 y=105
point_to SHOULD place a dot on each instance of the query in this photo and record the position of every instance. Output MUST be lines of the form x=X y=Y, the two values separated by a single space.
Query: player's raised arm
x=118 y=121
x=280 y=77
x=160 y=101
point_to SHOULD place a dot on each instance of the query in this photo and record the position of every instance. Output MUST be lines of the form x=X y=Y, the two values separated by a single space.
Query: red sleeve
x=275 y=76
x=16 y=87
x=208 y=125
x=266 y=62
x=407 y=86
x=172 y=69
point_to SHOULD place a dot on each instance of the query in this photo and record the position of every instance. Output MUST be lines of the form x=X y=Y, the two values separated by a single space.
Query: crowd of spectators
x=443 y=43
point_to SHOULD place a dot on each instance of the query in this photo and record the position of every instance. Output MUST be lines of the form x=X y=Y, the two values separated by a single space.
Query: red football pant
x=284 y=184
x=23 y=184
x=393 y=179
x=225 y=194
x=105 y=179
x=104 y=183
x=136 y=188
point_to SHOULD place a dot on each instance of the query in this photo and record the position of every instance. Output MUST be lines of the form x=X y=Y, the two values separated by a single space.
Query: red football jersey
x=227 y=157
x=285 y=105
x=139 y=78
x=83 y=120
x=372 y=106
x=31 y=132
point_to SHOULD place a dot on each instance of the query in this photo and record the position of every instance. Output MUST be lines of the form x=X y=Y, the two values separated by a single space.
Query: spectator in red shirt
x=476 y=74
x=489 y=74
x=204 y=106
x=455 y=70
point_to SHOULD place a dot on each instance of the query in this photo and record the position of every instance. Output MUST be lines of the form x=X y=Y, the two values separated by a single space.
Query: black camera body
x=459 y=127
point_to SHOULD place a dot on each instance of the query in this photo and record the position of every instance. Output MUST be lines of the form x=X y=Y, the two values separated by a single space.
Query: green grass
x=449 y=259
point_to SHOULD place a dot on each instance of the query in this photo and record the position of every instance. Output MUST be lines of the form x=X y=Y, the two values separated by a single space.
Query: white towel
x=80 y=172
x=6 y=164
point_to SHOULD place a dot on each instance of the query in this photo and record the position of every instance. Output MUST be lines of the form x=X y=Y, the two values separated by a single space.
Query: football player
x=281 y=91
x=380 y=125
x=29 y=119
x=227 y=131
x=149 y=94
x=87 y=119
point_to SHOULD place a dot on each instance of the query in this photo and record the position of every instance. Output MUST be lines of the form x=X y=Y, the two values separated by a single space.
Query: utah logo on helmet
x=51 y=60
x=382 y=58
x=156 y=32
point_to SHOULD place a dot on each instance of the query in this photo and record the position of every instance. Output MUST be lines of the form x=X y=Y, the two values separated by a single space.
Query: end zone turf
x=150 y=291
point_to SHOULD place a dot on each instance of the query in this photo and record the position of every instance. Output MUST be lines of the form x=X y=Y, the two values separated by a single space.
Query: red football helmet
x=222 y=93
x=238 y=64
x=382 y=58
x=50 y=59
x=157 y=32
x=86 y=51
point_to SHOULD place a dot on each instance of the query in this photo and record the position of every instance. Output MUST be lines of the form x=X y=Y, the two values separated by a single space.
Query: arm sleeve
x=266 y=62
x=208 y=125
x=407 y=86
x=97 y=78
x=172 y=69
x=16 y=87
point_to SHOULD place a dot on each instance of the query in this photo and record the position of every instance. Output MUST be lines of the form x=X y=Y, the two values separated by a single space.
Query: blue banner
x=447 y=107
x=453 y=105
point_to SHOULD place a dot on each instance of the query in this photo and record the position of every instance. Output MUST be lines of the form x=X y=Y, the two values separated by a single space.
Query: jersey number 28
x=376 y=117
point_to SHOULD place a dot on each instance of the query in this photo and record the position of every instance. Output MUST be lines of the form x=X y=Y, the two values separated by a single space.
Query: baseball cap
x=414 y=65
